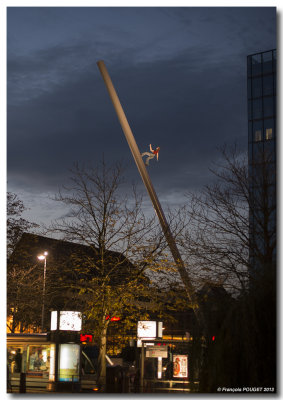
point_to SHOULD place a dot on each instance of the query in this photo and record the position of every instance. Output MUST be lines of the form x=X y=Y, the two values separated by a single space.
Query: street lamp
x=43 y=257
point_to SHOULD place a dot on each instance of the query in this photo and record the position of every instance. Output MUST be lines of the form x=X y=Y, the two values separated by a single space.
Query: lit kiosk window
x=65 y=363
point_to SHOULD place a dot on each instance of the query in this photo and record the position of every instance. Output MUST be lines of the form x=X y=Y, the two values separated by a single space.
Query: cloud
x=178 y=104
x=181 y=79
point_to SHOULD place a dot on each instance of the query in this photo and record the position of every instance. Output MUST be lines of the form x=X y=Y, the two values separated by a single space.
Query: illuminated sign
x=53 y=326
x=180 y=366
x=156 y=351
x=52 y=362
x=69 y=362
x=113 y=318
x=148 y=330
x=86 y=338
x=69 y=321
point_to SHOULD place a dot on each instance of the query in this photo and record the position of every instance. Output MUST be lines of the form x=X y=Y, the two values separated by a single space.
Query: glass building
x=262 y=158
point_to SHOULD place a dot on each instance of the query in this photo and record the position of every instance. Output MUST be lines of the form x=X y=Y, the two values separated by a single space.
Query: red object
x=113 y=318
x=213 y=338
x=85 y=338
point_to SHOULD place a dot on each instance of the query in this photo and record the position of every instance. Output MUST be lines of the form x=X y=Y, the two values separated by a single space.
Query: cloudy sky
x=180 y=74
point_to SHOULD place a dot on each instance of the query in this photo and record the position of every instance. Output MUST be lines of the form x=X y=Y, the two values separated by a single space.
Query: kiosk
x=65 y=351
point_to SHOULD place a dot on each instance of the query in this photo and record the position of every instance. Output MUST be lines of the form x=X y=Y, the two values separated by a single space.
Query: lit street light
x=43 y=257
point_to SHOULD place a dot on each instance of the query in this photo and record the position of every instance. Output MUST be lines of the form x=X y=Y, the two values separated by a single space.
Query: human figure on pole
x=151 y=155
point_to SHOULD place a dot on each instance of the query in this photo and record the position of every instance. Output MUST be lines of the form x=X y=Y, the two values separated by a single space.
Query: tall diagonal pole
x=147 y=182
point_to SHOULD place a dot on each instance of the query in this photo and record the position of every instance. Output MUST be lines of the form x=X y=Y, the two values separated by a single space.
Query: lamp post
x=43 y=257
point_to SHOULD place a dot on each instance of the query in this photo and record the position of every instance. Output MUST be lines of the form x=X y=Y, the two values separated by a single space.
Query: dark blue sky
x=180 y=74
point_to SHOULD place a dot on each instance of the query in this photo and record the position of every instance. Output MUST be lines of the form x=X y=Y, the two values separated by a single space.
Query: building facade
x=261 y=78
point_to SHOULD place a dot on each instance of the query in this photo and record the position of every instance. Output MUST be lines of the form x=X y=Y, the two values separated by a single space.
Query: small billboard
x=69 y=321
x=148 y=330
x=180 y=366
x=157 y=351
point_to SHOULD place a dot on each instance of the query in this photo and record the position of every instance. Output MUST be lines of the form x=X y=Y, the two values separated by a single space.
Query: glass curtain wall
x=262 y=155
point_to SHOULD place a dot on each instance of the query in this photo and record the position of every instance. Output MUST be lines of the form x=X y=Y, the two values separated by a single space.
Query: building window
x=257 y=87
x=258 y=136
x=250 y=109
x=267 y=62
x=257 y=108
x=256 y=64
x=269 y=148
x=268 y=85
x=249 y=88
x=268 y=106
x=14 y=358
x=268 y=133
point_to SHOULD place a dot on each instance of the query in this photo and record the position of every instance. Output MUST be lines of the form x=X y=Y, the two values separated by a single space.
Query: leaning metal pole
x=147 y=182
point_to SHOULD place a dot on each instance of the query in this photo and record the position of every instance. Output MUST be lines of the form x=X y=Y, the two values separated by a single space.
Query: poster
x=180 y=366
x=69 y=362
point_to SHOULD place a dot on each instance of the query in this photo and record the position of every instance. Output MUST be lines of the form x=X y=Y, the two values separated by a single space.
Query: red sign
x=113 y=318
x=86 y=338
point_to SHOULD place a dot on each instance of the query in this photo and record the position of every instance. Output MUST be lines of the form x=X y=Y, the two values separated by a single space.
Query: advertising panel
x=148 y=330
x=38 y=361
x=69 y=362
x=69 y=321
x=156 y=351
x=180 y=366
x=53 y=325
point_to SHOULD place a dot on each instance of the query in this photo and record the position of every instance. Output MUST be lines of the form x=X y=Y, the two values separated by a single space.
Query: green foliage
x=108 y=275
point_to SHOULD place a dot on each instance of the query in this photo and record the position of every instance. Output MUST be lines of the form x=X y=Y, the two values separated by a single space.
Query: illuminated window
x=14 y=358
x=258 y=137
x=38 y=361
x=268 y=134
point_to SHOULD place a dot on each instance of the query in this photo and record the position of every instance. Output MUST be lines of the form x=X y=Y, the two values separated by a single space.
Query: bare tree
x=20 y=307
x=110 y=277
x=231 y=240
x=16 y=224
x=231 y=225
x=23 y=294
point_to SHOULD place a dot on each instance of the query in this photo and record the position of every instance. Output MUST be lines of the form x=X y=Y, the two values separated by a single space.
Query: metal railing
x=169 y=386
x=22 y=383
